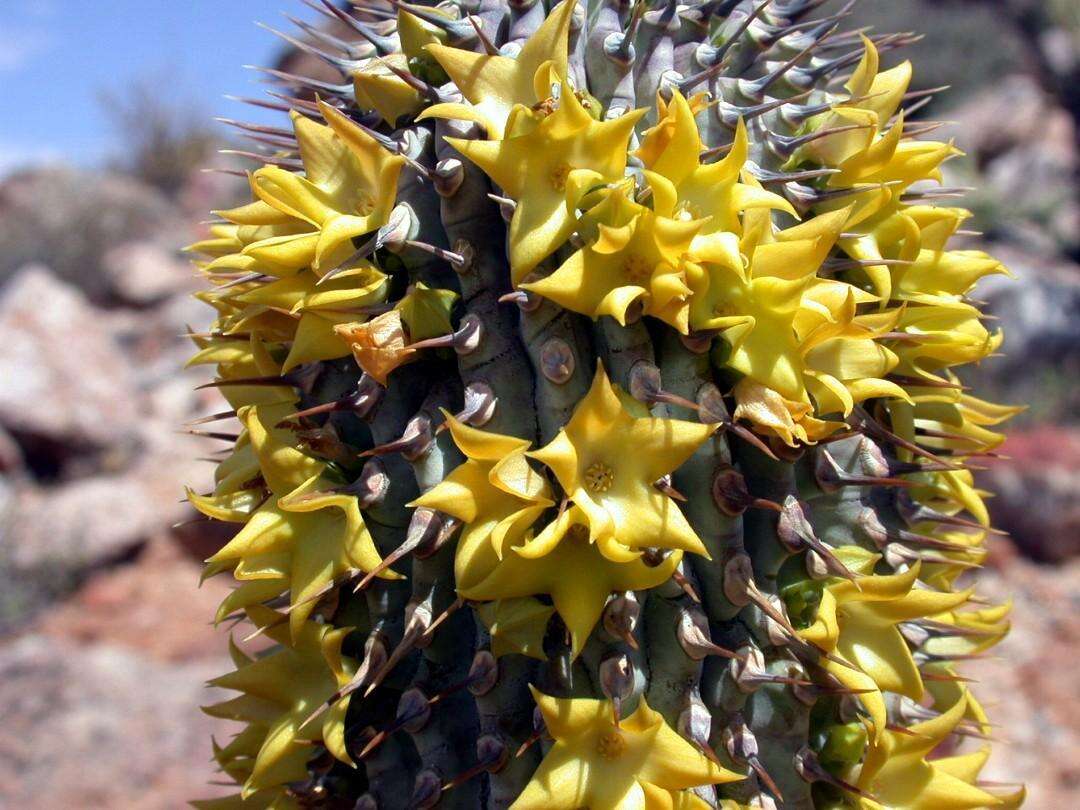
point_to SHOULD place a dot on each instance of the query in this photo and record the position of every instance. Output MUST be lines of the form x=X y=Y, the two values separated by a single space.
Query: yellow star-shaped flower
x=495 y=84
x=882 y=225
x=672 y=133
x=242 y=359
x=570 y=569
x=237 y=760
x=657 y=798
x=539 y=170
x=516 y=626
x=636 y=256
x=841 y=360
x=495 y=492
x=378 y=86
x=946 y=334
x=874 y=98
x=686 y=187
x=789 y=331
x=235 y=317
x=791 y=421
x=602 y=766
x=758 y=319
x=989 y=626
x=607 y=461
x=754 y=291
x=949 y=491
x=891 y=159
x=949 y=687
x=257 y=238
x=875 y=90
x=349 y=186
x=962 y=425
x=416 y=34
x=943 y=273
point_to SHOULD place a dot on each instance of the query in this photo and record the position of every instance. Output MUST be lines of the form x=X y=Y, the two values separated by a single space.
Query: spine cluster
x=600 y=439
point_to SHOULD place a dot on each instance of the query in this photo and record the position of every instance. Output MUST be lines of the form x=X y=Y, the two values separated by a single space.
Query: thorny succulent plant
x=600 y=439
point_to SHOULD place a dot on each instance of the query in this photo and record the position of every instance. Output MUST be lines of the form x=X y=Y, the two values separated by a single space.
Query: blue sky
x=57 y=56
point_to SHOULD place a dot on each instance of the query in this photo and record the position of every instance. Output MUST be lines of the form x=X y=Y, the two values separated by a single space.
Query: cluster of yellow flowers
x=693 y=244
x=283 y=282
x=859 y=622
x=278 y=692
x=611 y=513
x=657 y=231
x=301 y=534
x=922 y=286
x=285 y=268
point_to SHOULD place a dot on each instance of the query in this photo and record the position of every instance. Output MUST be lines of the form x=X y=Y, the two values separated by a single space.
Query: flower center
x=723 y=309
x=365 y=204
x=578 y=532
x=637 y=269
x=558 y=176
x=599 y=477
x=546 y=107
x=687 y=210
x=611 y=745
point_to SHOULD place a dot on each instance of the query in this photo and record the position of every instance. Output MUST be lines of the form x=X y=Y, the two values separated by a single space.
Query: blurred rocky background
x=105 y=639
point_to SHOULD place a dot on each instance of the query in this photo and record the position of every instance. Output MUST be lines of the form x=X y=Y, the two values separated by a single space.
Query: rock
x=1030 y=194
x=65 y=379
x=975 y=32
x=1011 y=112
x=154 y=340
x=11 y=456
x=1021 y=155
x=1029 y=682
x=144 y=272
x=68 y=219
x=101 y=726
x=91 y=521
x=1036 y=486
x=53 y=536
x=92 y=402
x=1039 y=309
x=86 y=523
x=1039 y=312
x=154 y=606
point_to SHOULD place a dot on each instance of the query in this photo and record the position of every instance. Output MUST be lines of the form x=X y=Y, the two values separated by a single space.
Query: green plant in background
x=600 y=440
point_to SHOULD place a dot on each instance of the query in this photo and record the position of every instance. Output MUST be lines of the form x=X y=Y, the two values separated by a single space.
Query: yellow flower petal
x=614 y=488
x=495 y=84
x=596 y=764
